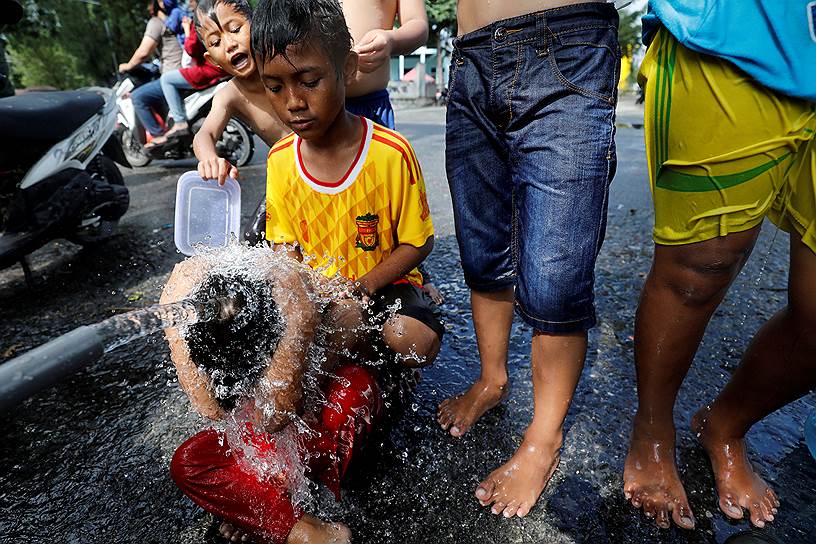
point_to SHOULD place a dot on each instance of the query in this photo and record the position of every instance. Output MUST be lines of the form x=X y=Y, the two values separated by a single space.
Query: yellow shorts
x=723 y=150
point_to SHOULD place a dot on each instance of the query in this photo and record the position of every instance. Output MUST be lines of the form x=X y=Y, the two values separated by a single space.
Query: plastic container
x=207 y=214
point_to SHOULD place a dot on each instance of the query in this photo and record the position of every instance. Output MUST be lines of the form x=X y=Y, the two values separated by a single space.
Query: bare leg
x=514 y=487
x=414 y=341
x=684 y=287
x=492 y=318
x=778 y=368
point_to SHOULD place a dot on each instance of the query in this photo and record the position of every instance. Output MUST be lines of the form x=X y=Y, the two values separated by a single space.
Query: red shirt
x=201 y=74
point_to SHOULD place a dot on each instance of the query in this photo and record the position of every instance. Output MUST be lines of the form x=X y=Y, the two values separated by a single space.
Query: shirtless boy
x=530 y=155
x=224 y=27
x=371 y=23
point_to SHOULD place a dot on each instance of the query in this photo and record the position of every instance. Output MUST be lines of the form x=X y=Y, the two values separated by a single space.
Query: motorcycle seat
x=48 y=116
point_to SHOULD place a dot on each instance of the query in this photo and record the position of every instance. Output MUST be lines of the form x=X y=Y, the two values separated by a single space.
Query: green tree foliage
x=441 y=13
x=629 y=30
x=71 y=43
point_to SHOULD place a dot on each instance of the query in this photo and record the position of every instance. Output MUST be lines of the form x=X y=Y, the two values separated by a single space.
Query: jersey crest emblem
x=811 y=13
x=367 y=237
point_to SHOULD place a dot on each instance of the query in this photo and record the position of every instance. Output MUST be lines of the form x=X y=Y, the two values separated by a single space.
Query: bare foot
x=738 y=485
x=651 y=481
x=311 y=530
x=514 y=487
x=232 y=533
x=459 y=413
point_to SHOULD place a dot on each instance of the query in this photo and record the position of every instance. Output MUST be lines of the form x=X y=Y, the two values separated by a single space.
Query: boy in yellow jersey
x=348 y=192
x=346 y=196
x=730 y=121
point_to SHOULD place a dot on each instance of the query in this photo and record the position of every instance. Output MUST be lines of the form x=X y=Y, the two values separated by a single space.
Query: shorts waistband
x=375 y=96
x=496 y=34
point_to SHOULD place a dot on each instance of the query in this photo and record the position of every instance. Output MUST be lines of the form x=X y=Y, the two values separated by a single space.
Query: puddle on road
x=87 y=461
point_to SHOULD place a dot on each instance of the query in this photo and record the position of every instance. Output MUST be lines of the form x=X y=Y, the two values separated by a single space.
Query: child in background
x=223 y=27
x=376 y=39
x=200 y=75
x=370 y=224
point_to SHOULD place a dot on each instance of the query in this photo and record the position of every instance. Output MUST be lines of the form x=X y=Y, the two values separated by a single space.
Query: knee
x=698 y=276
x=137 y=98
x=415 y=342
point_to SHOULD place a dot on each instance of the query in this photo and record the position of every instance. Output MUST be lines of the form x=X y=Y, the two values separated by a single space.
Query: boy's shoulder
x=280 y=145
x=390 y=145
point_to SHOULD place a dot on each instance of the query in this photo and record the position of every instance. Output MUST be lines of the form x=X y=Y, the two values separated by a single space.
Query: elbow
x=426 y=249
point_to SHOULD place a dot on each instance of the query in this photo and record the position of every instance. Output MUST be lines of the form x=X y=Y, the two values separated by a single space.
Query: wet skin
x=557 y=360
x=682 y=291
x=228 y=46
x=308 y=530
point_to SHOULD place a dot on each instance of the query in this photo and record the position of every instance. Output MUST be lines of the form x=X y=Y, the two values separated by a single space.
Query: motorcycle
x=236 y=143
x=57 y=173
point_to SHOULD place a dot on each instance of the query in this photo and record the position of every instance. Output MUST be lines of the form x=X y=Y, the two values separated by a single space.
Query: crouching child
x=345 y=198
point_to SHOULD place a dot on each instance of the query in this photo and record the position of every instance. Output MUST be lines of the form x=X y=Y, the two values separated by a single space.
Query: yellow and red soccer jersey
x=351 y=225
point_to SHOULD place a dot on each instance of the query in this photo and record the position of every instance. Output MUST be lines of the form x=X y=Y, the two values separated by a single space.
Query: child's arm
x=376 y=46
x=280 y=391
x=401 y=261
x=210 y=165
x=195 y=383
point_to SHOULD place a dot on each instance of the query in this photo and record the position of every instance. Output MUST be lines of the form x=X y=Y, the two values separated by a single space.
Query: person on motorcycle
x=149 y=98
x=200 y=75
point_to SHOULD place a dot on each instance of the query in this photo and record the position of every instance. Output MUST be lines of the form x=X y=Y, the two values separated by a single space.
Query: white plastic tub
x=207 y=214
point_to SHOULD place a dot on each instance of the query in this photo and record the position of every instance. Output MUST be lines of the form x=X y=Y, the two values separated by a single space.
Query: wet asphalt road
x=86 y=461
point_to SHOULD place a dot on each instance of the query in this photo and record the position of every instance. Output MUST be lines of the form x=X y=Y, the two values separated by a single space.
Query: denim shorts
x=530 y=156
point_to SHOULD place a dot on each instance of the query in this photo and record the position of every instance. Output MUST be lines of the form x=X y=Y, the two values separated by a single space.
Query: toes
x=485 y=492
x=498 y=507
x=637 y=499
x=226 y=530
x=730 y=507
x=772 y=497
x=511 y=509
x=524 y=509
x=649 y=508
x=757 y=518
x=682 y=516
x=765 y=511
x=662 y=518
x=769 y=508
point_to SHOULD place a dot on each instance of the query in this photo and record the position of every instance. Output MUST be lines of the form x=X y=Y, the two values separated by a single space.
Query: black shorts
x=414 y=302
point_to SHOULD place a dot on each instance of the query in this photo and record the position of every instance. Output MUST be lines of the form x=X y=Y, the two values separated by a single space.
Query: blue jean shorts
x=530 y=156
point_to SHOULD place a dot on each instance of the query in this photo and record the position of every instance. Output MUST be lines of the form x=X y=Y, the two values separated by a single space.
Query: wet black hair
x=235 y=353
x=277 y=24
x=207 y=7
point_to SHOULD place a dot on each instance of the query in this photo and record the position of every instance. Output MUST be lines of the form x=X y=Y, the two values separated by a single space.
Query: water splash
x=125 y=328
